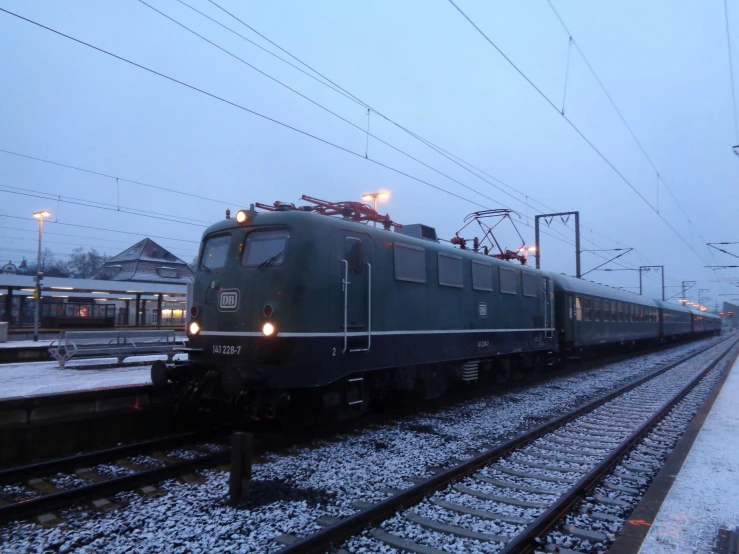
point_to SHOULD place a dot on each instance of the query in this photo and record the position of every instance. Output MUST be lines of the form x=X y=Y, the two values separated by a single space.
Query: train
x=312 y=306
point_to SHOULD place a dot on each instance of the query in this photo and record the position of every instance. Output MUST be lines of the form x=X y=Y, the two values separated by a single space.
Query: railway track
x=45 y=488
x=40 y=488
x=548 y=489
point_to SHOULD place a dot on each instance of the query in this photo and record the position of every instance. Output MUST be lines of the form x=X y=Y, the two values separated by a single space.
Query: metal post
x=537 y=241
x=577 y=243
x=8 y=306
x=242 y=452
x=374 y=207
x=663 y=283
x=39 y=273
x=640 y=288
x=159 y=311
x=138 y=309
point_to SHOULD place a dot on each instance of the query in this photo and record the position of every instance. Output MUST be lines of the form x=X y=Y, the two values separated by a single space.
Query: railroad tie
x=440 y=527
x=548 y=467
x=482 y=514
x=525 y=475
x=402 y=544
x=499 y=499
x=515 y=486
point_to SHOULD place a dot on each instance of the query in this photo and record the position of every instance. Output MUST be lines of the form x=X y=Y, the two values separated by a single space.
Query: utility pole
x=686 y=285
x=577 y=238
x=648 y=267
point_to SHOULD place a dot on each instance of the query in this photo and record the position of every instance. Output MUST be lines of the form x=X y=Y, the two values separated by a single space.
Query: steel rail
x=336 y=534
x=524 y=542
x=99 y=456
x=93 y=491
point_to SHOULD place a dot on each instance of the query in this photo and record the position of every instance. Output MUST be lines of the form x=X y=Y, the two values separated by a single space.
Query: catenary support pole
x=537 y=240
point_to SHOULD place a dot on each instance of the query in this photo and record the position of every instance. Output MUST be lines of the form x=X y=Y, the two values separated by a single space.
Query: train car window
x=530 y=284
x=265 y=248
x=578 y=308
x=450 y=270
x=410 y=263
x=587 y=309
x=606 y=310
x=354 y=255
x=614 y=316
x=482 y=276
x=508 y=281
x=596 y=310
x=215 y=252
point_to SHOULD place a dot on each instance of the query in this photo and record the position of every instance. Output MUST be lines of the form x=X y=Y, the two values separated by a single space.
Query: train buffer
x=113 y=344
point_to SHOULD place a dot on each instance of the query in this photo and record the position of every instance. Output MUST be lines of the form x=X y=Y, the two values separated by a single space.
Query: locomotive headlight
x=268 y=329
x=194 y=328
x=241 y=216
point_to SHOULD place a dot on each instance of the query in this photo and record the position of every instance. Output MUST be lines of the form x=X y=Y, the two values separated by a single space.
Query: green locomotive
x=290 y=303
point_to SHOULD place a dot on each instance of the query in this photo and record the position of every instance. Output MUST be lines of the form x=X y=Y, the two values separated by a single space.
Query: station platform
x=692 y=505
x=34 y=378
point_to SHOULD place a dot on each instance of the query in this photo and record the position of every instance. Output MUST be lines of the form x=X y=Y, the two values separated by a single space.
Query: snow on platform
x=26 y=344
x=30 y=379
x=703 y=497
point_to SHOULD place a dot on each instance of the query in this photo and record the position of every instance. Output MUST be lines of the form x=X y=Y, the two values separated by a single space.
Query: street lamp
x=39 y=274
x=382 y=195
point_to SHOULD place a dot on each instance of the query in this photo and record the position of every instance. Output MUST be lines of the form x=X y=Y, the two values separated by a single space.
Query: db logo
x=228 y=301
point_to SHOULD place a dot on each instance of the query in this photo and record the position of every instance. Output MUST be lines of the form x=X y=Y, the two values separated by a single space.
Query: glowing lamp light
x=241 y=216
x=194 y=328
x=39 y=215
x=268 y=329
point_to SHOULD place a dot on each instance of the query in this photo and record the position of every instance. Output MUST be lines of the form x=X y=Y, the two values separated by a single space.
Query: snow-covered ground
x=25 y=344
x=294 y=488
x=34 y=378
x=703 y=497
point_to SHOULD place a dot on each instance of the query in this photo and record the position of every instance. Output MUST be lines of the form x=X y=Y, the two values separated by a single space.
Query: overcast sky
x=417 y=62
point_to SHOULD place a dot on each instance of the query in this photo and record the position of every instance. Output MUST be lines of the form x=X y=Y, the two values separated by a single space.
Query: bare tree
x=84 y=265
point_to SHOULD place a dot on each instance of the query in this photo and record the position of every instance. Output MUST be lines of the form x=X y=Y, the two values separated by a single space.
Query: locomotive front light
x=194 y=328
x=268 y=329
x=241 y=216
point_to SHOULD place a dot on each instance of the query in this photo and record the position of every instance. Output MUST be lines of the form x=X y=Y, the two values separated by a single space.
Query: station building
x=145 y=285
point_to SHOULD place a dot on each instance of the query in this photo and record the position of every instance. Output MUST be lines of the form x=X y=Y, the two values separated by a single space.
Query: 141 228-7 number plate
x=227 y=349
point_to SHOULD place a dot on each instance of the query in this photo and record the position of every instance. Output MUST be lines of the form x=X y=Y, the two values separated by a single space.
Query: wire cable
x=623 y=119
x=576 y=129
x=731 y=70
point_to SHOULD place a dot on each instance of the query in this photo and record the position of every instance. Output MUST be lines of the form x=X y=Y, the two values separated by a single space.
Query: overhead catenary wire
x=116 y=177
x=620 y=114
x=90 y=227
x=234 y=104
x=731 y=70
x=577 y=130
x=247 y=110
x=337 y=87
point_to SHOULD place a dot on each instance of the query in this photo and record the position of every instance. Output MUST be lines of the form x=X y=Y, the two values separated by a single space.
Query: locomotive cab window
x=450 y=270
x=530 y=284
x=508 y=281
x=215 y=252
x=354 y=255
x=482 y=276
x=265 y=248
x=410 y=263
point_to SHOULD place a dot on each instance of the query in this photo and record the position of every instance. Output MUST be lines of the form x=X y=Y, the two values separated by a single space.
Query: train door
x=546 y=284
x=356 y=285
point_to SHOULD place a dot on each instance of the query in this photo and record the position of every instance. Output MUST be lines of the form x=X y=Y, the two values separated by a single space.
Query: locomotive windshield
x=265 y=248
x=214 y=253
